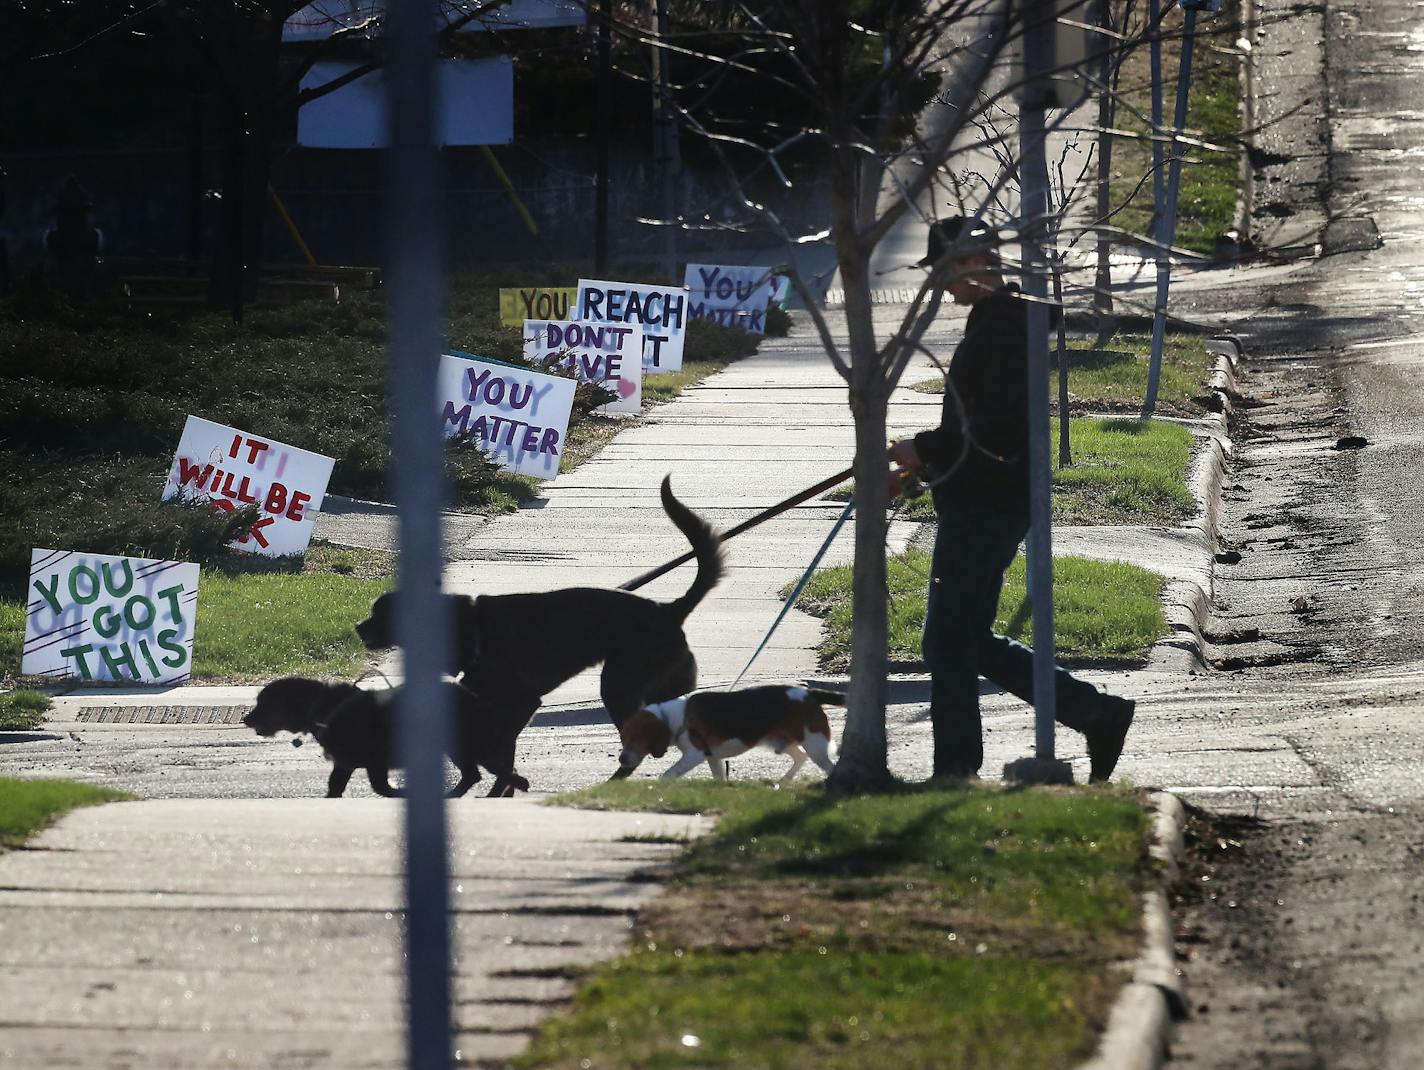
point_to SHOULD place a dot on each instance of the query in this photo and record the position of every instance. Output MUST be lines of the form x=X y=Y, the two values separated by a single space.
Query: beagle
x=713 y=726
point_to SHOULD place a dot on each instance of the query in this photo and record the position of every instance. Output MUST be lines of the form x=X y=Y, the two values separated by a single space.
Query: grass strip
x=264 y=617
x=1115 y=380
x=1123 y=472
x=1104 y=612
x=922 y=928
x=26 y=806
x=23 y=710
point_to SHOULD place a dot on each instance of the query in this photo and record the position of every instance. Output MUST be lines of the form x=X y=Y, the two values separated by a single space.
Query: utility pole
x=1039 y=21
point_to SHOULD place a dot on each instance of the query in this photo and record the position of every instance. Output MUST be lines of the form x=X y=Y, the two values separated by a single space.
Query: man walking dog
x=977 y=463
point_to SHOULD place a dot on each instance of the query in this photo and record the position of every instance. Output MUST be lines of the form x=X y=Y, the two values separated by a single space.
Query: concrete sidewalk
x=254 y=933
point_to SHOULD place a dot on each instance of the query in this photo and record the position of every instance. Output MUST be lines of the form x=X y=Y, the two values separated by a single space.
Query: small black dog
x=356 y=730
x=513 y=649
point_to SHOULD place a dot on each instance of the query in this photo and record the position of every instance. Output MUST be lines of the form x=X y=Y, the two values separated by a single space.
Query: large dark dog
x=513 y=649
x=356 y=729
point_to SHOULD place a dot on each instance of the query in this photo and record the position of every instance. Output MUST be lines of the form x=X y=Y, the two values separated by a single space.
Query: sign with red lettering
x=518 y=416
x=96 y=617
x=230 y=469
x=662 y=311
x=609 y=354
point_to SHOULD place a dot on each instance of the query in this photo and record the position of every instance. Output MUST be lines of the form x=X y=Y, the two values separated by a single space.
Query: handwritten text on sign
x=517 y=416
x=97 y=617
x=535 y=303
x=610 y=355
x=661 y=310
x=232 y=469
x=731 y=296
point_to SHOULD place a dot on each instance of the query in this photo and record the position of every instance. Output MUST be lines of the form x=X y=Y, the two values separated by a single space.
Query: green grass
x=260 y=617
x=1123 y=472
x=23 y=710
x=1103 y=612
x=26 y=806
x=1210 y=179
x=1115 y=380
x=922 y=928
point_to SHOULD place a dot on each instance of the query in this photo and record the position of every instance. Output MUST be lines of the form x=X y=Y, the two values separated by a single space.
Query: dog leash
x=796 y=592
x=746 y=525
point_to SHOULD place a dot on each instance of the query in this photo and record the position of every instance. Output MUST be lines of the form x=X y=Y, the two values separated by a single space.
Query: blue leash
x=800 y=586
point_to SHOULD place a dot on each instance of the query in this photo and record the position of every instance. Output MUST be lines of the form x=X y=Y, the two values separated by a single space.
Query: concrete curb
x=1140 y=1024
x=1187 y=603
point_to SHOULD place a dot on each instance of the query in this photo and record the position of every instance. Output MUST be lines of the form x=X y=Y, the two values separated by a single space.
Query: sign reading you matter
x=731 y=296
x=535 y=303
x=95 y=617
x=610 y=355
x=517 y=416
x=232 y=469
x=661 y=310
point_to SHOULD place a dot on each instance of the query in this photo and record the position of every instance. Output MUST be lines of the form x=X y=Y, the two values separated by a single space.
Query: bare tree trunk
x=863 y=763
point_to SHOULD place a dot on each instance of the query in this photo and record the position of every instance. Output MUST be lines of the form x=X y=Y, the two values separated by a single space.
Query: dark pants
x=973 y=547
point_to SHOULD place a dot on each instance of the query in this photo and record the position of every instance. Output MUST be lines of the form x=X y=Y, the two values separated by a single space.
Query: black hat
x=946 y=233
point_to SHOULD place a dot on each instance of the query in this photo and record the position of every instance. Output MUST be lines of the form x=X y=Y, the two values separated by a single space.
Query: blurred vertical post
x=1039 y=23
x=415 y=292
x=665 y=141
x=1159 y=202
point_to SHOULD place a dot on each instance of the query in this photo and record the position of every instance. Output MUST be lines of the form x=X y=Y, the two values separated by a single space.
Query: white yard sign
x=231 y=469
x=660 y=310
x=731 y=296
x=519 y=417
x=610 y=355
x=95 y=617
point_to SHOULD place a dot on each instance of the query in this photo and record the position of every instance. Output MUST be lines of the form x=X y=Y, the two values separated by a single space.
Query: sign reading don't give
x=96 y=617
x=518 y=416
x=610 y=355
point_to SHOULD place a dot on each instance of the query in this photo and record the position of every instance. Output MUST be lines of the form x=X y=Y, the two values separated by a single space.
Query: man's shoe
x=1106 y=734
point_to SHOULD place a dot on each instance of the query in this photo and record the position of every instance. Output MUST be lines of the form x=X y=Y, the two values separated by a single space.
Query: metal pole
x=415 y=287
x=1159 y=194
x=605 y=110
x=667 y=147
x=1034 y=211
x=1167 y=214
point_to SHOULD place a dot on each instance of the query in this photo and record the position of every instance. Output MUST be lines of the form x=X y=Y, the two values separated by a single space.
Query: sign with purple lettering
x=229 y=469
x=731 y=296
x=519 y=417
x=122 y=619
x=660 y=310
x=608 y=354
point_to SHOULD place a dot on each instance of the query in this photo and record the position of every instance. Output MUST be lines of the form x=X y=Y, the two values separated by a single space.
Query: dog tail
x=706 y=547
x=826 y=698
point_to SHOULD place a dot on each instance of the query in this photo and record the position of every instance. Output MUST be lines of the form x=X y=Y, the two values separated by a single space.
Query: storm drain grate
x=163 y=714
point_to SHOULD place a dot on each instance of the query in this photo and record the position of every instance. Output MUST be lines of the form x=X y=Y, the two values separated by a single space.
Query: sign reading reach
x=661 y=310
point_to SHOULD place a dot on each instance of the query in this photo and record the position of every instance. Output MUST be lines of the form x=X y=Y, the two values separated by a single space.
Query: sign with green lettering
x=117 y=619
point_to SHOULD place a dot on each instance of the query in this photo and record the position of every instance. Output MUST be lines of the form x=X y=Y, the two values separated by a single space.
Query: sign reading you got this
x=519 y=417
x=96 y=617
x=660 y=310
x=610 y=355
x=231 y=469
x=732 y=296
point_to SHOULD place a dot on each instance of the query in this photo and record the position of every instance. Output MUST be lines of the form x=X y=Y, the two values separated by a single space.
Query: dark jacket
x=989 y=373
